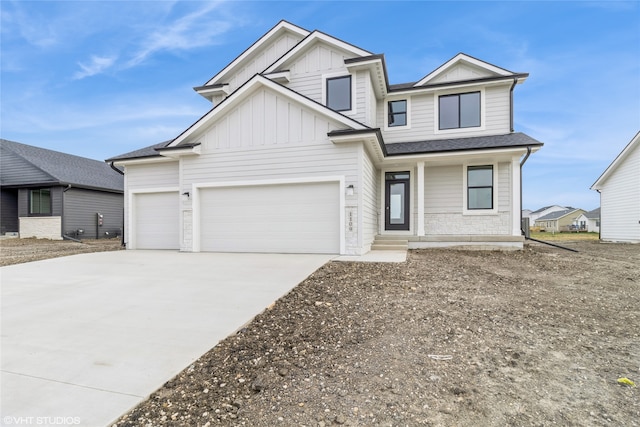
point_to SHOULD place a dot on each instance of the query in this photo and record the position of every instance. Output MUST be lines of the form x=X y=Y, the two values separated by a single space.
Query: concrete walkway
x=87 y=337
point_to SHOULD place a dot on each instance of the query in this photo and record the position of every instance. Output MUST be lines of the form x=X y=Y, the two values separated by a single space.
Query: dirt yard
x=17 y=251
x=449 y=338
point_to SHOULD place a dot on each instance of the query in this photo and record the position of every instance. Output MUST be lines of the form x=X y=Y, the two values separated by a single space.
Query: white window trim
x=436 y=109
x=386 y=113
x=325 y=77
x=465 y=189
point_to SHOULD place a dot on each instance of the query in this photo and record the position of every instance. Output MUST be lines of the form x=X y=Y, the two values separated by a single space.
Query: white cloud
x=97 y=65
x=190 y=31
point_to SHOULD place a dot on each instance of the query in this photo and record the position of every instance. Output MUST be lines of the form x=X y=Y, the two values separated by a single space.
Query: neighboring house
x=533 y=216
x=309 y=149
x=558 y=221
x=48 y=194
x=619 y=188
x=590 y=221
x=526 y=213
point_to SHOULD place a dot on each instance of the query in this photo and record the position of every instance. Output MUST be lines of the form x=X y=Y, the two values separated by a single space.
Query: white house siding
x=443 y=195
x=261 y=59
x=306 y=78
x=369 y=200
x=269 y=138
x=424 y=122
x=151 y=178
x=620 y=201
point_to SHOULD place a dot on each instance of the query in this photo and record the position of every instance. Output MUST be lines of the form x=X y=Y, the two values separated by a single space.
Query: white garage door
x=291 y=218
x=157 y=220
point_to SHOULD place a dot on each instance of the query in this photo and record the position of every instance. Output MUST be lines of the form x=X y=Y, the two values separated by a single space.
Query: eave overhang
x=178 y=151
x=378 y=69
x=372 y=138
x=487 y=81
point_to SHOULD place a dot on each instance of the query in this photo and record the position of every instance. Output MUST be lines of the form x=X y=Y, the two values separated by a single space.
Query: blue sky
x=98 y=79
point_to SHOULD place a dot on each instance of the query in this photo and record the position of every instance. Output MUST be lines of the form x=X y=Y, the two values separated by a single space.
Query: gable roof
x=275 y=32
x=635 y=142
x=256 y=81
x=309 y=40
x=53 y=167
x=594 y=214
x=464 y=59
x=558 y=214
x=141 y=153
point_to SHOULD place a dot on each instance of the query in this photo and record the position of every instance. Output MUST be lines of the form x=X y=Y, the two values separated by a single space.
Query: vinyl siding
x=81 y=207
x=261 y=59
x=369 y=201
x=156 y=175
x=424 y=122
x=620 y=201
x=8 y=211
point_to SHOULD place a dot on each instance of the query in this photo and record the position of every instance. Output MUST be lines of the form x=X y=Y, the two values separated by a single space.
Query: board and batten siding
x=620 y=201
x=81 y=207
x=261 y=59
x=424 y=123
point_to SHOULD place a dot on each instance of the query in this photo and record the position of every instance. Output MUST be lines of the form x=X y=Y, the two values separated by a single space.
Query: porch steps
x=382 y=243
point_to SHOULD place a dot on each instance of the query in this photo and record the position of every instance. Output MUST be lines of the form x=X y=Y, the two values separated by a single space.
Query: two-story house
x=309 y=149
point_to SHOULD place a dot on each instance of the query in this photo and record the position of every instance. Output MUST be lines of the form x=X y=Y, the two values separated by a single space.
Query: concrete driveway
x=87 y=337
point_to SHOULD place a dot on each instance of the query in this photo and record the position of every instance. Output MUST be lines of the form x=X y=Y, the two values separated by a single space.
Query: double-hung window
x=339 y=93
x=459 y=110
x=397 y=113
x=480 y=187
x=40 y=202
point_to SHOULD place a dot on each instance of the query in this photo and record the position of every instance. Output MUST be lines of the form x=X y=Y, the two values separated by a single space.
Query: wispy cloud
x=97 y=65
x=191 y=31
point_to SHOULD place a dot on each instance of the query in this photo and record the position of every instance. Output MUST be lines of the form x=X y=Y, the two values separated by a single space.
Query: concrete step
x=389 y=244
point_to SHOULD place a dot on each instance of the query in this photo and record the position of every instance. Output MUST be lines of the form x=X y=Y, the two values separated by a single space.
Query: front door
x=396 y=205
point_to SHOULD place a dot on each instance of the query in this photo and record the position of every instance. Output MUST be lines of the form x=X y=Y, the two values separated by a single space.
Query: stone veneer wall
x=458 y=224
x=41 y=227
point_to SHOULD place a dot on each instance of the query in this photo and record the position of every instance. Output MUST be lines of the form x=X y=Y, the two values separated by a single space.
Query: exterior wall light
x=350 y=190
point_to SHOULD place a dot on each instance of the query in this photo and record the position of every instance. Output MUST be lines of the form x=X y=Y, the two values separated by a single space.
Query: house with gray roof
x=590 y=221
x=49 y=194
x=559 y=221
x=308 y=148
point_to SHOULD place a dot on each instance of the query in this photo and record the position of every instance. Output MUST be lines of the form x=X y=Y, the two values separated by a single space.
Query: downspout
x=63 y=217
x=521 y=165
x=122 y=242
x=521 y=229
x=515 y=82
x=600 y=219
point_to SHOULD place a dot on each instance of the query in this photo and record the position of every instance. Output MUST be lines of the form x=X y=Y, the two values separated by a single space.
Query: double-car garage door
x=283 y=218
x=287 y=218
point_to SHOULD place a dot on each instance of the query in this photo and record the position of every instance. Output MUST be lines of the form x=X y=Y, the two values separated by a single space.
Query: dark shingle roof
x=59 y=167
x=594 y=214
x=149 y=151
x=557 y=214
x=510 y=140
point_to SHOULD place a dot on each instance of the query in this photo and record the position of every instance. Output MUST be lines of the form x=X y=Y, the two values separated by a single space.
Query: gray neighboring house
x=53 y=195
x=564 y=220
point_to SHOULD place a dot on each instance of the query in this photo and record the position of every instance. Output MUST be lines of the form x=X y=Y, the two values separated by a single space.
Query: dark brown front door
x=396 y=204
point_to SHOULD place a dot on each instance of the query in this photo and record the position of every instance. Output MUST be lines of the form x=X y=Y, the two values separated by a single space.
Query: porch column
x=516 y=187
x=420 y=199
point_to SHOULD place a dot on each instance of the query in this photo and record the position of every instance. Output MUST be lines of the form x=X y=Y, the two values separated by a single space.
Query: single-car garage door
x=287 y=218
x=156 y=220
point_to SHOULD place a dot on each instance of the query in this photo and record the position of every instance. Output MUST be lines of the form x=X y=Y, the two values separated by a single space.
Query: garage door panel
x=292 y=218
x=157 y=220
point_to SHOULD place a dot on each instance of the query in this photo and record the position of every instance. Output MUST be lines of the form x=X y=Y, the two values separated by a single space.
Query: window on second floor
x=397 y=113
x=459 y=110
x=339 y=93
x=40 y=202
x=480 y=187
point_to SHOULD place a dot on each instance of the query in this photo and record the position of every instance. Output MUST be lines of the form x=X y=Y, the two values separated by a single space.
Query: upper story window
x=397 y=113
x=339 y=93
x=480 y=187
x=40 y=202
x=459 y=110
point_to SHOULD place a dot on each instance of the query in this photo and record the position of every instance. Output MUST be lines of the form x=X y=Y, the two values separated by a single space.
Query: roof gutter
x=112 y=166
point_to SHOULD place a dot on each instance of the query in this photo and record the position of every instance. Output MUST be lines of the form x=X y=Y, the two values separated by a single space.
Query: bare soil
x=18 y=251
x=450 y=338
